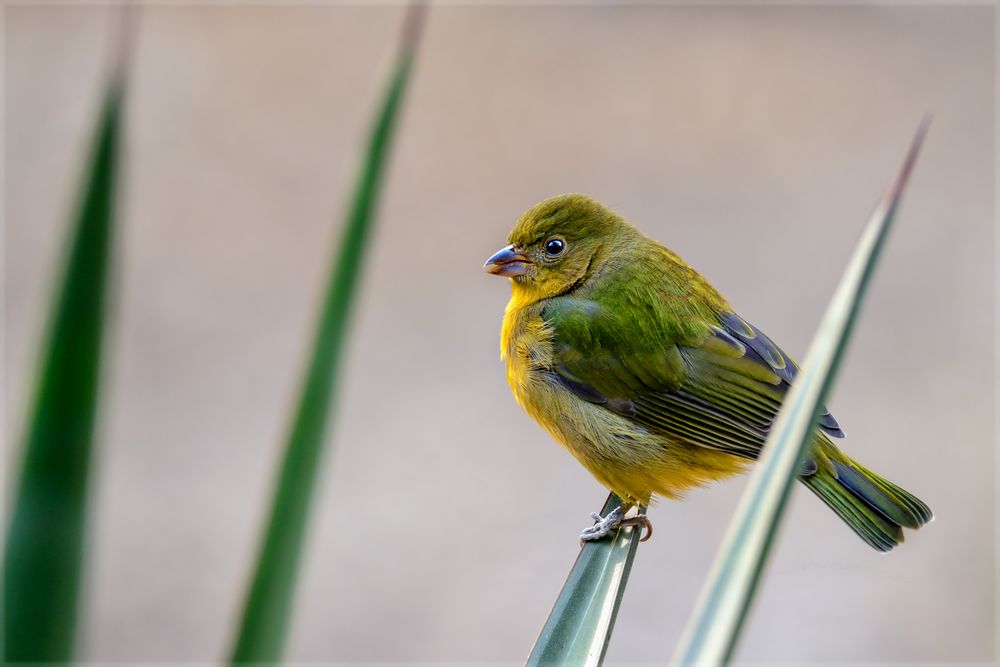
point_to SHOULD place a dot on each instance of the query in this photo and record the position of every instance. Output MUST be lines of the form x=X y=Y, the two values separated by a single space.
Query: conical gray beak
x=507 y=262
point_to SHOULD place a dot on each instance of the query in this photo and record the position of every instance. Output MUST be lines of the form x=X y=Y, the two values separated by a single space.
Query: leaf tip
x=413 y=26
x=896 y=189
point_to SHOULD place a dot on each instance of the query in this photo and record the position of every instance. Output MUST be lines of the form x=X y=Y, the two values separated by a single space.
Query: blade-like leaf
x=267 y=607
x=714 y=627
x=579 y=626
x=44 y=548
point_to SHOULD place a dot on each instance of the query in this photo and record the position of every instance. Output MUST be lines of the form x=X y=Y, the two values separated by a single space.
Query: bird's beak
x=507 y=262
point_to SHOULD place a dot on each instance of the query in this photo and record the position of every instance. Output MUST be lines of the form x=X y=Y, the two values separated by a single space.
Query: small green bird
x=641 y=369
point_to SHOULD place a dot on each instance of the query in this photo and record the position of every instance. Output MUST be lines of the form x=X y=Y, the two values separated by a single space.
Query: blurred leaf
x=579 y=626
x=267 y=607
x=714 y=627
x=44 y=548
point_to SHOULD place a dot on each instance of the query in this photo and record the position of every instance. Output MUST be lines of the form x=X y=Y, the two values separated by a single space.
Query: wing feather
x=720 y=391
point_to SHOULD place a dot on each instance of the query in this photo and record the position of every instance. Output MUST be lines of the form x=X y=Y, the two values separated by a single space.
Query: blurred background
x=754 y=141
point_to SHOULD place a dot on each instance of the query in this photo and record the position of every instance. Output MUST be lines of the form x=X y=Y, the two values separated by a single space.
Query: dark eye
x=554 y=247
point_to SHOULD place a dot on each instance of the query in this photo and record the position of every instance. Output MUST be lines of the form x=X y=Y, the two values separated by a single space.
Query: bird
x=639 y=367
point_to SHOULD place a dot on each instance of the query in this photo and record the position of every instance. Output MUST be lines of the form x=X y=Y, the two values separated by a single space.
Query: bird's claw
x=645 y=525
x=615 y=519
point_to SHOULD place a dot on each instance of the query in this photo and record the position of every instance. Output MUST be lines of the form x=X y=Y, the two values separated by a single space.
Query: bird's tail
x=874 y=507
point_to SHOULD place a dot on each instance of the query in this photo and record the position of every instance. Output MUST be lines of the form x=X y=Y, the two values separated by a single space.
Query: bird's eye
x=554 y=247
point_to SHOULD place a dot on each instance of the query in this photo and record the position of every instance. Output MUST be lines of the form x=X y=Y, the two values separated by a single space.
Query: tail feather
x=875 y=508
x=919 y=510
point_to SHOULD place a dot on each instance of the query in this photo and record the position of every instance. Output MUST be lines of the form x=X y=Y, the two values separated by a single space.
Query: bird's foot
x=604 y=525
x=615 y=519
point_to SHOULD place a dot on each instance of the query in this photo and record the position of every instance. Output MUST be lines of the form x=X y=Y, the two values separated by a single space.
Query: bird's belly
x=624 y=456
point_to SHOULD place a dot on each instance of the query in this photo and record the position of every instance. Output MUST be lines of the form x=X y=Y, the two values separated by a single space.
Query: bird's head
x=558 y=244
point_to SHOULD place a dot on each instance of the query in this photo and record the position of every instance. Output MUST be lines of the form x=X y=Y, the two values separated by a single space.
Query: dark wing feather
x=768 y=353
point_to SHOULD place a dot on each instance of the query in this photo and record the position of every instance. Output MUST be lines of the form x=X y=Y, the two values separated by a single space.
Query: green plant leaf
x=44 y=547
x=579 y=626
x=715 y=626
x=267 y=607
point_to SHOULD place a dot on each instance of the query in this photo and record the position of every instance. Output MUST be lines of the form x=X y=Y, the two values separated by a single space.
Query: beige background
x=753 y=141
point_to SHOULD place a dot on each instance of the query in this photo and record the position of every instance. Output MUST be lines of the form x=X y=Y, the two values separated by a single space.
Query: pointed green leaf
x=44 y=547
x=579 y=626
x=714 y=627
x=267 y=608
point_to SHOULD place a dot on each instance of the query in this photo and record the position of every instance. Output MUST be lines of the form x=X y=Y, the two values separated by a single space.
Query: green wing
x=716 y=383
